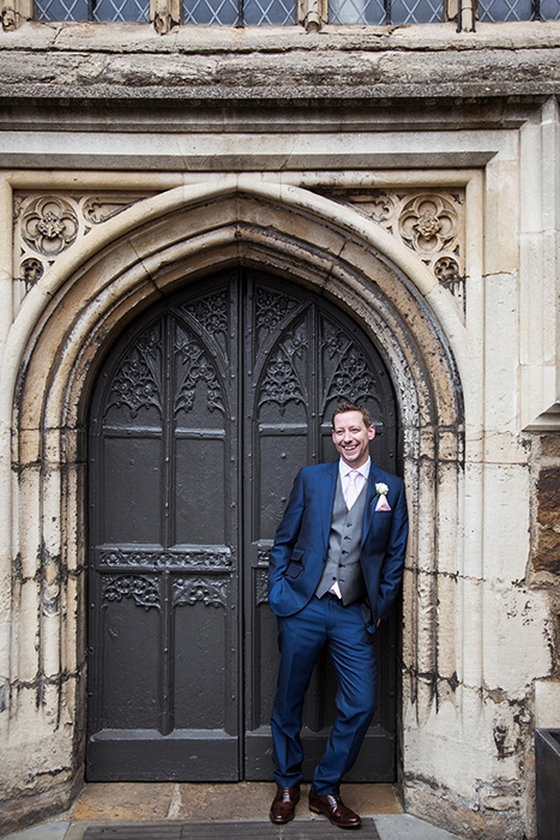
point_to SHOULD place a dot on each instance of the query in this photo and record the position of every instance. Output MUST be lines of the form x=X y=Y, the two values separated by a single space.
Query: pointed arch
x=73 y=315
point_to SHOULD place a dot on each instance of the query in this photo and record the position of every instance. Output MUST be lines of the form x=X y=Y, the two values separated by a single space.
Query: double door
x=202 y=413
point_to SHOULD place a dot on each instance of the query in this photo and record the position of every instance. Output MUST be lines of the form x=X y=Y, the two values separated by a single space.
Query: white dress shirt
x=361 y=480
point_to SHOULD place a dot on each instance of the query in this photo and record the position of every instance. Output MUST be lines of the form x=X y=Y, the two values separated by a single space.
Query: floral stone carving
x=431 y=224
x=46 y=225
x=49 y=225
x=428 y=223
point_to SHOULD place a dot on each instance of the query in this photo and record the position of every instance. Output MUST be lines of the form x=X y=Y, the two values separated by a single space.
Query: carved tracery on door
x=201 y=416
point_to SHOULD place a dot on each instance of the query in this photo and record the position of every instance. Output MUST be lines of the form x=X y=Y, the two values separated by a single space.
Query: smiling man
x=335 y=570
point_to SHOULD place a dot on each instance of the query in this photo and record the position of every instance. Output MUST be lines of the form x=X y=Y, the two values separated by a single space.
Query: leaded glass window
x=504 y=10
x=283 y=12
x=382 y=12
x=240 y=12
x=135 y=11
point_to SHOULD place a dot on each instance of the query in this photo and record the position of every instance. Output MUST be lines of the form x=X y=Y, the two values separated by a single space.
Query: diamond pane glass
x=269 y=12
x=61 y=10
x=122 y=10
x=136 y=11
x=416 y=11
x=209 y=12
x=502 y=10
x=550 y=9
x=385 y=11
x=357 y=11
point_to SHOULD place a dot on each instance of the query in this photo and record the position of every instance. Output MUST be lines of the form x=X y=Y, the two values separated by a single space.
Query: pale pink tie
x=353 y=488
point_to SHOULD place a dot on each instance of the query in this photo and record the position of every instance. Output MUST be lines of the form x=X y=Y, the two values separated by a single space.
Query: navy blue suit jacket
x=298 y=555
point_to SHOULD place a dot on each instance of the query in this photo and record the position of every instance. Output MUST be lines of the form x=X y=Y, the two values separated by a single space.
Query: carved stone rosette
x=46 y=225
x=432 y=224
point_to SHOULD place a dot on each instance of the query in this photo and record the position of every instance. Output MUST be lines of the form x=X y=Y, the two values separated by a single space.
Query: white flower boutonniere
x=381 y=491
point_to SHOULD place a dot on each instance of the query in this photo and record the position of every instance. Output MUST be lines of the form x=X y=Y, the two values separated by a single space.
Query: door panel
x=201 y=416
x=305 y=358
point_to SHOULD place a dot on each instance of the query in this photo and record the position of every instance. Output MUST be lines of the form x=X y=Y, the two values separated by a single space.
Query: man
x=335 y=570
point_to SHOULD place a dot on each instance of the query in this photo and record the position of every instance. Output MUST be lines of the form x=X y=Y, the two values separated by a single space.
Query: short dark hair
x=343 y=407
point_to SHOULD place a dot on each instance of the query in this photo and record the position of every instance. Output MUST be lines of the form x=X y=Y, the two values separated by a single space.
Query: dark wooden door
x=201 y=416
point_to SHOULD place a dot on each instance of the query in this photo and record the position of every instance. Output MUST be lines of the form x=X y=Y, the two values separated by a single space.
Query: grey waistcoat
x=345 y=540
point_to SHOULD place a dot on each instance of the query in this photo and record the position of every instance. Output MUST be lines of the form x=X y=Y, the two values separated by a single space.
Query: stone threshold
x=208 y=802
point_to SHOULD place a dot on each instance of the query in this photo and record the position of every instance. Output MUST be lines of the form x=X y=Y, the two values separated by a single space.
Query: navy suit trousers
x=301 y=637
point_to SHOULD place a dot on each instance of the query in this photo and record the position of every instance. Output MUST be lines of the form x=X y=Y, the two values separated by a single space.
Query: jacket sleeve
x=287 y=533
x=393 y=563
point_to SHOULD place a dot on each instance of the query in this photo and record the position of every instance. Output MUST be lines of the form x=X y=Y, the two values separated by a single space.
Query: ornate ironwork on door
x=201 y=416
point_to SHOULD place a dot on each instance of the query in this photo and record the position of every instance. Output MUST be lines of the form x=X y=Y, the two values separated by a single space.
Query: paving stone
x=48 y=831
x=406 y=827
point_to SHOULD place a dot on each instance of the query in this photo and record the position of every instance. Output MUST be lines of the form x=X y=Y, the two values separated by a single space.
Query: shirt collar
x=363 y=470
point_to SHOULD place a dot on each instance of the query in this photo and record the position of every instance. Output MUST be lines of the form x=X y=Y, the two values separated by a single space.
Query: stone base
x=441 y=807
x=35 y=807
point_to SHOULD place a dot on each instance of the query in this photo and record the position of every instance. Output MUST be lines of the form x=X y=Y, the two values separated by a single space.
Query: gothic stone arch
x=58 y=342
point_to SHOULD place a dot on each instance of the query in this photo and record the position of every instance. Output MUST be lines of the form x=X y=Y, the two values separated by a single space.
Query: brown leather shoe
x=284 y=804
x=334 y=808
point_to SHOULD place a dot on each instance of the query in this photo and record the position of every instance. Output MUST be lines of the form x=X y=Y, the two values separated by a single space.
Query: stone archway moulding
x=76 y=310
x=345 y=218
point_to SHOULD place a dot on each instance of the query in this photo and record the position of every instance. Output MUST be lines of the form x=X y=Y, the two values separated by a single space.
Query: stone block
x=547 y=704
x=447 y=525
x=448 y=622
x=548 y=496
x=500 y=371
x=531 y=312
x=511 y=614
x=504 y=447
x=506 y=518
x=469 y=599
x=473 y=535
x=50 y=631
x=72 y=444
x=550 y=446
x=546 y=557
x=531 y=175
x=550 y=133
x=449 y=448
x=71 y=634
x=26 y=632
x=29 y=445
x=51 y=512
x=29 y=523
x=501 y=254
x=73 y=513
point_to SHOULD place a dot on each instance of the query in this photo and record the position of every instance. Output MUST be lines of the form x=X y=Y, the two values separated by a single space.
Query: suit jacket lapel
x=327 y=490
x=370 y=507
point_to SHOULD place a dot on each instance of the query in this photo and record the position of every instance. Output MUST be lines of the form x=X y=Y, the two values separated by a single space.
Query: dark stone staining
x=500 y=735
x=50 y=602
x=441 y=687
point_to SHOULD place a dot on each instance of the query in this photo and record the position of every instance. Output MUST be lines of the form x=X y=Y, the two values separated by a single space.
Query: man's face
x=351 y=437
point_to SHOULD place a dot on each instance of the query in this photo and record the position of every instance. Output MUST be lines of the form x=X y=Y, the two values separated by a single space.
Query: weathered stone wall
x=209 y=64
x=412 y=174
